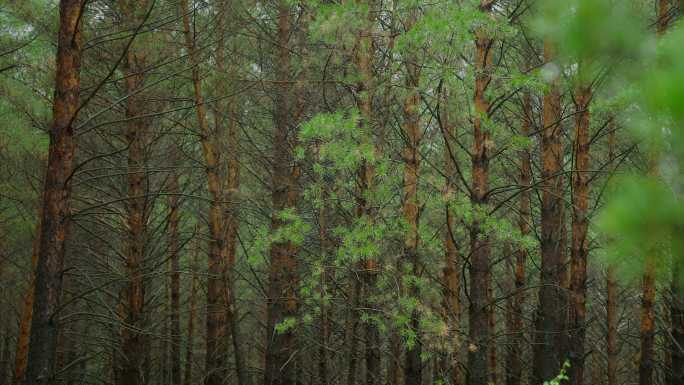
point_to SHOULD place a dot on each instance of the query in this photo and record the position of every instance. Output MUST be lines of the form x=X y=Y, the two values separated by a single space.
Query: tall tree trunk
x=134 y=342
x=611 y=294
x=190 y=344
x=549 y=345
x=6 y=340
x=647 y=325
x=5 y=355
x=365 y=90
x=216 y=348
x=325 y=322
x=228 y=109
x=451 y=275
x=480 y=310
x=676 y=304
x=648 y=294
x=281 y=353
x=515 y=349
x=174 y=248
x=352 y=330
x=491 y=356
x=410 y=204
x=611 y=321
x=166 y=335
x=677 y=317
x=580 y=241
x=232 y=226
x=395 y=372
x=56 y=196
x=21 y=352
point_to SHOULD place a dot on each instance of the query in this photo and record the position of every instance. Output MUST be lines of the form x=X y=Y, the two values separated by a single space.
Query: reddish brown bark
x=325 y=322
x=217 y=325
x=611 y=293
x=677 y=319
x=647 y=324
x=515 y=349
x=611 y=321
x=56 y=196
x=174 y=249
x=580 y=241
x=366 y=91
x=675 y=366
x=283 y=280
x=21 y=352
x=190 y=343
x=451 y=275
x=480 y=312
x=352 y=330
x=410 y=204
x=663 y=16
x=395 y=375
x=166 y=332
x=549 y=347
x=134 y=343
x=5 y=355
x=648 y=294
x=227 y=120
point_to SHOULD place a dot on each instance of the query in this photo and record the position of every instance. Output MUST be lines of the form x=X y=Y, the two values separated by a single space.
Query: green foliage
x=286 y=325
x=664 y=96
x=589 y=29
x=294 y=229
x=643 y=218
x=644 y=213
x=342 y=142
x=562 y=377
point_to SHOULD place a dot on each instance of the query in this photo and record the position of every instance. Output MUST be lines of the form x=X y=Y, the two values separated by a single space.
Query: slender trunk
x=281 y=353
x=133 y=338
x=395 y=375
x=611 y=294
x=580 y=241
x=56 y=196
x=21 y=353
x=596 y=372
x=352 y=329
x=480 y=370
x=325 y=324
x=164 y=340
x=491 y=321
x=611 y=321
x=648 y=294
x=190 y=345
x=410 y=204
x=5 y=356
x=663 y=15
x=66 y=343
x=365 y=211
x=675 y=368
x=515 y=349
x=647 y=325
x=451 y=275
x=395 y=372
x=549 y=346
x=77 y=356
x=216 y=348
x=228 y=109
x=174 y=248
x=677 y=318
x=6 y=341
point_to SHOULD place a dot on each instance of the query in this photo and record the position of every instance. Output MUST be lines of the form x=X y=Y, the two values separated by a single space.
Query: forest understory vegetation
x=341 y=192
